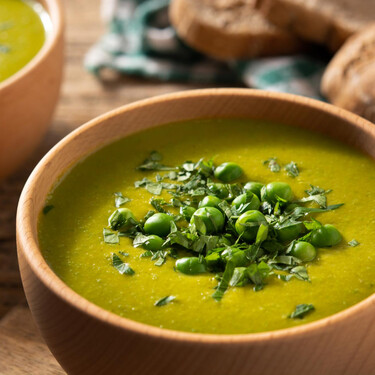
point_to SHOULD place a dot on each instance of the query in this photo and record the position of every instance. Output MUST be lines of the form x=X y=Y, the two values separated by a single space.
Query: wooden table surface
x=83 y=97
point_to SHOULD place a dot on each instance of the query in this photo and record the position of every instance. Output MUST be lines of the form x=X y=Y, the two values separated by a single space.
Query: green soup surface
x=71 y=232
x=22 y=34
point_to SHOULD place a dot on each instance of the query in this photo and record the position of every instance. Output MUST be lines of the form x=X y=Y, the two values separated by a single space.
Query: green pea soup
x=71 y=232
x=23 y=27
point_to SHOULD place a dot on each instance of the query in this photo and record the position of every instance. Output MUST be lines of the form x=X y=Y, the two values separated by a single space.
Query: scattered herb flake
x=120 y=199
x=353 y=243
x=292 y=169
x=301 y=311
x=110 y=237
x=224 y=282
x=122 y=267
x=272 y=165
x=163 y=301
x=47 y=209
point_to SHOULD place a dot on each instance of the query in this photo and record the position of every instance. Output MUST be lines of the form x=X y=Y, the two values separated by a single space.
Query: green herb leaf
x=160 y=256
x=120 y=266
x=353 y=243
x=272 y=164
x=300 y=273
x=120 y=199
x=152 y=163
x=163 y=301
x=224 y=282
x=47 y=209
x=258 y=274
x=292 y=169
x=239 y=277
x=110 y=237
x=158 y=204
x=301 y=311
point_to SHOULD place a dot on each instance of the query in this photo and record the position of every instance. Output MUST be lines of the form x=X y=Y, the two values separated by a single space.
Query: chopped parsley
x=120 y=199
x=165 y=300
x=353 y=243
x=218 y=243
x=122 y=267
x=301 y=311
x=273 y=165
x=47 y=209
x=292 y=169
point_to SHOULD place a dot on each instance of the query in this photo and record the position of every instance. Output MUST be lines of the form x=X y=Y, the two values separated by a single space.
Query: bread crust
x=328 y=22
x=229 y=29
x=349 y=79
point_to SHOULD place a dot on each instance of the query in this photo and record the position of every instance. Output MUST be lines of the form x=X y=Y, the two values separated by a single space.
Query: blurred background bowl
x=28 y=98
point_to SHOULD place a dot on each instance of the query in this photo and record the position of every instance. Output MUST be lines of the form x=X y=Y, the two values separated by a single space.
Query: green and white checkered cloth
x=140 y=41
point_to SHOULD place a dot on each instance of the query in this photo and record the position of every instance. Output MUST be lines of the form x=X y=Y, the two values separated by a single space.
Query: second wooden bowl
x=28 y=98
x=87 y=339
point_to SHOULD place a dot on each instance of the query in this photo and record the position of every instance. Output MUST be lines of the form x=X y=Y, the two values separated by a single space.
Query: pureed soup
x=199 y=249
x=22 y=34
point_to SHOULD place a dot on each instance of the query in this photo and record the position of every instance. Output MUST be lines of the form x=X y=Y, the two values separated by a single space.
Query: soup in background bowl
x=242 y=126
x=31 y=61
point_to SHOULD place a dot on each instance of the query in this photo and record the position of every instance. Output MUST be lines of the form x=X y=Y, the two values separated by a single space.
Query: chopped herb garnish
x=163 y=301
x=47 y=209
x=353 y=243
x=224 y=282
x=110 y=237
x=121 y=266
x=301 y=311
x=242 y=238
x=120 y=199
x=272 y=165
x=292 y=169
x=152 y=163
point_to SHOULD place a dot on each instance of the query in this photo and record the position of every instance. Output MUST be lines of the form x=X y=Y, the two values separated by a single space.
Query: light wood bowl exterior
x=28 y=98
x=86 y=339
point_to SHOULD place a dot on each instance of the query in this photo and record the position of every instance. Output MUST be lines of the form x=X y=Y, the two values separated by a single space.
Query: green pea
x=219 y=190
x=289 y=233
x=304 y=251
x=228 y=172
x=212 y=219
x=248 y=224
x=325 y=236
x=187 y=212
x=210 y=201
x=237 y=257
x=275 y=190
x=190 y=266
x=248 y=201
x=254 y=187
x=122 y=219
x=159 y=224
x=154 y=243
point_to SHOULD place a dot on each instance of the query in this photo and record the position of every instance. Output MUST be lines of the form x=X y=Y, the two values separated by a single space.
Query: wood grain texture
x=82 y=98
x=89 y=340
x=22 y=349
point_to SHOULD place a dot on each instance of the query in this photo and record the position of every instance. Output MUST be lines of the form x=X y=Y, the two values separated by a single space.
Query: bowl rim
x=28 y=244
x=55 y=10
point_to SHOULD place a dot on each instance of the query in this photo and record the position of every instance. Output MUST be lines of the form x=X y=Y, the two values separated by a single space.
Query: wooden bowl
x=28 y=97
x=87 y=339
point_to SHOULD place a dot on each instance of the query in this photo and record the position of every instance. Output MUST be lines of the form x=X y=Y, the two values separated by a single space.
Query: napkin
x=140 y=41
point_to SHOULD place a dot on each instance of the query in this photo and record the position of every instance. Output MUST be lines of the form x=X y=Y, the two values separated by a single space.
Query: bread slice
x=349 y=79
x=229 y=29
x=328 y=22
